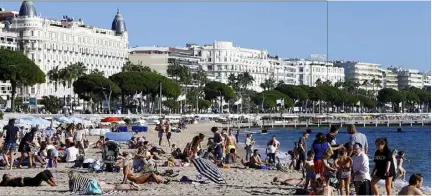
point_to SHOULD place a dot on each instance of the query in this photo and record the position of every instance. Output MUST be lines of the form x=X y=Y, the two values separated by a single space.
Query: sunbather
x=46 y=176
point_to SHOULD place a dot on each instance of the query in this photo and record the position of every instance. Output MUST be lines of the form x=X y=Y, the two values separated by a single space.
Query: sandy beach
x=239 y=181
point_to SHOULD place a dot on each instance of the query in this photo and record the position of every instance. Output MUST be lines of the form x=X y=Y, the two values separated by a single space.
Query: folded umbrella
x=209 y=170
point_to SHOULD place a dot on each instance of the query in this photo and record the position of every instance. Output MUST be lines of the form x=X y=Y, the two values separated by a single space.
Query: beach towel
x=94 y=188
x=78 y=184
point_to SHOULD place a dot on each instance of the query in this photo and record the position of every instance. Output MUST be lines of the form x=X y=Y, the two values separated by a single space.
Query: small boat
x=264 y=131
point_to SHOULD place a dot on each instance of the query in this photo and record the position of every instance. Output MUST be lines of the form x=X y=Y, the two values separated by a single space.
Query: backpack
x=94 y=188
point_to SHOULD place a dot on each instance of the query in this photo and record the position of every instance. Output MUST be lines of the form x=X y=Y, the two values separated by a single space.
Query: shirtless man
x=230 y=142
x=413 y=187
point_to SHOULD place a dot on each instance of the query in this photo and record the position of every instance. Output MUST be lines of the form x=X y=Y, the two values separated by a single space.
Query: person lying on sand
x=288 y=182
x=46 y=176
x=145 y=178
x=118 y=187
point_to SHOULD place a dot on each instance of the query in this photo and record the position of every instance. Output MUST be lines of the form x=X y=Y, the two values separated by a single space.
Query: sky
x=387 y=33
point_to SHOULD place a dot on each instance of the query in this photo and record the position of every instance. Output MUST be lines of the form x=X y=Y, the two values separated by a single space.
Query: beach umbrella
x=111 y=119
x=208 y=169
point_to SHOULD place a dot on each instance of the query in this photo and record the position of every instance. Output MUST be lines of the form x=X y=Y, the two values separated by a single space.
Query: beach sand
x=239 y=181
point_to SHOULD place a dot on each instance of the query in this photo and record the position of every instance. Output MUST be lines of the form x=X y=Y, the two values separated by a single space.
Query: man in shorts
x=10 y=133
x=168 y=131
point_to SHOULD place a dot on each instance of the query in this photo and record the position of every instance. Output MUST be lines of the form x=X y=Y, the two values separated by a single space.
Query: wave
x=399 y=184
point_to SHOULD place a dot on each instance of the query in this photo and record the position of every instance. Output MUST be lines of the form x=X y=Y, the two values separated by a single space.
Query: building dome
x=27 y=9
x=118 y=24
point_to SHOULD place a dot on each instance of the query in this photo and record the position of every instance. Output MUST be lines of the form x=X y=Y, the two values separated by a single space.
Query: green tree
x=268 y=84
x=233 y=82
x=213 y=89
x=96 y=87
x=245 y=79
x=171 y=104
x=54 y=76
x=52 y=103
x=97 y=72
x=129 y=84
x=269 y=98
x=318 y=82
x=389 y=95
x=20 y=71
x=129 y=66
x=203 y=104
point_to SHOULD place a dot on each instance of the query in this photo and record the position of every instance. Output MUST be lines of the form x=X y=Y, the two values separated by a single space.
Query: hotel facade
x=51 y=43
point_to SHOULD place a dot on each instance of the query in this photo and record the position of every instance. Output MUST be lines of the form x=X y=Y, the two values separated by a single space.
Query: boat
x=264 y=131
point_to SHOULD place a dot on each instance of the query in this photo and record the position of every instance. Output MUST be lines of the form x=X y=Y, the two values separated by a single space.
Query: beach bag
x=149 y=167
x=94 y=188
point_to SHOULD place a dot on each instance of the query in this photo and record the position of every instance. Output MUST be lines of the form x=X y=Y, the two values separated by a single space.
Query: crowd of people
x=320 y=164
x=340 y=165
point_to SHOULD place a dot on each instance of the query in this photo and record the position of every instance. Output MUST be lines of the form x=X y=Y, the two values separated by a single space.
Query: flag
x=137 y=96
x=208 y=169
x=358 y=103
x=238 y=102
x=181 y=98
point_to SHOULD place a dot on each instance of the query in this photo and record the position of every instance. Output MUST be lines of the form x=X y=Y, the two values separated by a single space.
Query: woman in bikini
x=399 y=161
x=344 y=164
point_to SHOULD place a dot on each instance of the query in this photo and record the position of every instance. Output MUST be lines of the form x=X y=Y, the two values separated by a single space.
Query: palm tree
x=97 y=72
x=375 y=83
x=365 y=84
x=318 y=82
x=338 y=84
x=327 y=82
x=54 y=76
x=70 y=73
x=268 y=84
x=233 y=82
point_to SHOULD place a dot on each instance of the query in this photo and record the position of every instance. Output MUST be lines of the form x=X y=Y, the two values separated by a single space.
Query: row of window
x=86 y=39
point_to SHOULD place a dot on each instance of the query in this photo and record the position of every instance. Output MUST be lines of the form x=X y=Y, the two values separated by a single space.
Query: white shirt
x=271 y=149
x=71 y=154
x=79 y=135
x=361 y=164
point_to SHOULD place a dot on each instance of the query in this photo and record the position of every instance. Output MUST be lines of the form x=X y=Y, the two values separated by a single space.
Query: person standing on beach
x=301 y=149
x=79 y=137
x=237 y=135
x=272 y=148
x=160 y=131
x=217 y=139
x=357 y=137
x=360 y=171
x=168 y=132
x=319 y=146
x=384 y=166
x=331 y=138
x=249 y=142
x=414 y=184
x=10 y=133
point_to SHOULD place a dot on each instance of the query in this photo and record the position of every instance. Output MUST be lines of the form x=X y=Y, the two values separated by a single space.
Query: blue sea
x=415 y=141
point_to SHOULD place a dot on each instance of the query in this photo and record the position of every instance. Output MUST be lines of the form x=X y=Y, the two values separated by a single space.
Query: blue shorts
x=310 y=175
x=9 y=147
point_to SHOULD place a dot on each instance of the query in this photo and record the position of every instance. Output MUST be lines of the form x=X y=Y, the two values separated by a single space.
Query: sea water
x=414 y=141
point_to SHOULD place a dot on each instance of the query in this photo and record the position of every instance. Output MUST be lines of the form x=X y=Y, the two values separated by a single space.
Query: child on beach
x=326 y=167
x=400 y=159
x=294 y=156
x=310 y=173
x=344 y=164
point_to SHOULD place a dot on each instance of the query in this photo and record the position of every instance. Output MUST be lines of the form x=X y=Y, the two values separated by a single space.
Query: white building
x=222 y=59
x=427 y=80
x=158 y=58
x=408 y=77
x=361 y=71
x=7 y=41
x=50 y=43
x=390 y=79
x=310 y=71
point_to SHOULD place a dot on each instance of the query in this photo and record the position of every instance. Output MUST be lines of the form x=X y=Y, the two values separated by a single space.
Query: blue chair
x=119 y=137
x=139 y=128
x=122 y=129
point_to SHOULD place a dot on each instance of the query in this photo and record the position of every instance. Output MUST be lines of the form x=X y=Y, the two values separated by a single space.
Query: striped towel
x=78 y=184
